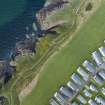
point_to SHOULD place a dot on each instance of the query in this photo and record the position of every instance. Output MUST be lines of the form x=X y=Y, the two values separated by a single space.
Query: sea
x=16 y=19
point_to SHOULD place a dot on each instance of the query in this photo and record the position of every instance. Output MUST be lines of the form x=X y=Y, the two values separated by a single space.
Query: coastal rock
x=47 y=11
x=6 y=71
x=23 y=48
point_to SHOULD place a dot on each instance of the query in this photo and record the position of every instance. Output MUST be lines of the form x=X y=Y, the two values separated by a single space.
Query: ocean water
x=15 y=16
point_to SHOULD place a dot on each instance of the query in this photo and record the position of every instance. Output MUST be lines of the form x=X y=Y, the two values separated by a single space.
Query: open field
x=58 y=69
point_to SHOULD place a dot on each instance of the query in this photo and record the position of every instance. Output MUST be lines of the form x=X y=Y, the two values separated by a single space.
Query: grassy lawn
x=59 y=68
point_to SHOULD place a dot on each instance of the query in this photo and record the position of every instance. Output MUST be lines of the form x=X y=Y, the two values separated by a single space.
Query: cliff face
x=50 y=10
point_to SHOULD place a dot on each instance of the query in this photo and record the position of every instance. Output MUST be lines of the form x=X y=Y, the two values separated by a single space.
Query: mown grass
x=58 y=69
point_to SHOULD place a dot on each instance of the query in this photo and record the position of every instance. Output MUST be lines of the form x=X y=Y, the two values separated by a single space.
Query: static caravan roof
x=98 y=79
x=67 y=92
x=89 y=66
x=53 y=102
x=60 y=98
x=102 y=74
x=97 y=57
x=81 y=99
x=92 y=102
x=102 y=50
x=83 y=73
x=76 y=78
x=100 y=100
x=73 y=86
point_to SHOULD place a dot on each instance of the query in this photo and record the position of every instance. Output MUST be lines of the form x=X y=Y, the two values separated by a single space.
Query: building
x=83 y=73
x=97 y=58
x=73 y=86
x=53 y=102
x=102 y=51
x=89 y=66
x=102 y=74
x=67 y=92
x=92 y=102
x=60 y=98
x=76 y=78
x=100 y=100
x=98 y=79
x=81 y=99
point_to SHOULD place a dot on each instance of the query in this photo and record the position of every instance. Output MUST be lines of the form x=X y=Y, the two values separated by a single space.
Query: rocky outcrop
x=47 y=11
x=6 y=71
x=24 y=47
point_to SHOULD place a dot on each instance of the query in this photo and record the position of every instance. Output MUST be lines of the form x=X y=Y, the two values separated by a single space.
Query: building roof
x=102 y=50
x=81 y=99
x=73 y=86
x=89 y=66
x=83 y=73
x=98 y=79
x=97 y=57
x=60 y=98
x=76 y=78
x=102 y=74
x=67 y=92
x=100 y=100
x=53 y=102
x=92 y=102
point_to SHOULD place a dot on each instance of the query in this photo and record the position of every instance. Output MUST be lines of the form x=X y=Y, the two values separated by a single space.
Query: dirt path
x=28 y=89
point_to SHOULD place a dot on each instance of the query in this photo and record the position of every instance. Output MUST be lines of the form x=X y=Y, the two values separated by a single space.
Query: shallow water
x=15 y=16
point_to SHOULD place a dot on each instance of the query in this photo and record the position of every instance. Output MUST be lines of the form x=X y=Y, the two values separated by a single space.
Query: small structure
x=87 y=93
x=102 y=51
x=60 y=98
x=92 y=102
x=89 y=66
x=76 y=78
x=98 y=79
x=93 y=88
x=81 y=99
x=83 y=73
x=97 y=57
x=53 y=102
x=73 y=86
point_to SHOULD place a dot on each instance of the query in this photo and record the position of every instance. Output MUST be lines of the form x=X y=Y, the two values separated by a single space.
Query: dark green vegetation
x=89 y=7
x=59 y=68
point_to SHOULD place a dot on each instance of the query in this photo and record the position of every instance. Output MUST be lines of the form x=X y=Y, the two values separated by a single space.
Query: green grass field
x=58 y=70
